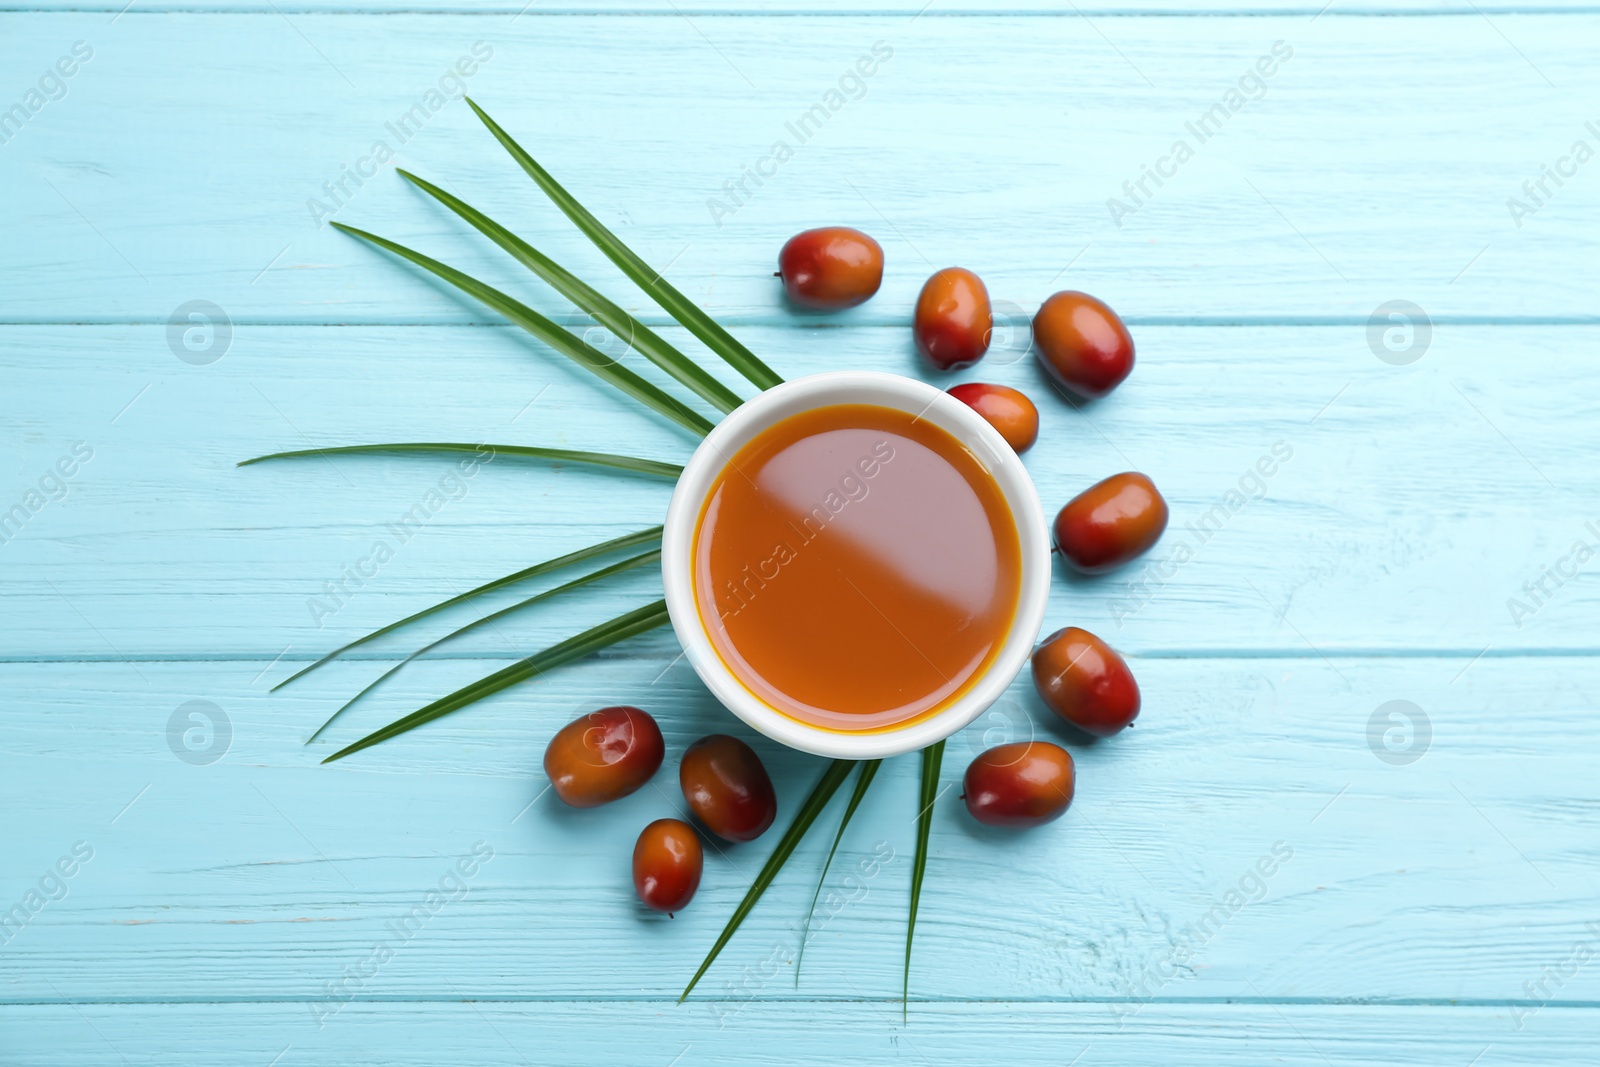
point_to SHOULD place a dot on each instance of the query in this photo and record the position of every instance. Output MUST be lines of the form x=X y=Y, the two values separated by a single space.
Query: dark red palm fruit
x=667 y=863
x=603 y=756
x=830 y=268
x=728 y=788
x=1083 y=680
x=1083 y=344
x=953 y=319
x=1110 y=523
x=1004 y=408
x=1025 y=784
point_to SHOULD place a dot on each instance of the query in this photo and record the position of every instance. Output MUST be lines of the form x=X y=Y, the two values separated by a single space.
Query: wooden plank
x=1422 y=508
x=915 y=8
x=1323 y=199
x=1461 y=874
x=584 y=1033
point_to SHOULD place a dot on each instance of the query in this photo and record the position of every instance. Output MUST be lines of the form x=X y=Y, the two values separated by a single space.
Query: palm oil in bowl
x=856 y=567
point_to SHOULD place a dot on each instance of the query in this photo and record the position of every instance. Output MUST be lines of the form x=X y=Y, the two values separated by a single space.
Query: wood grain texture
x=1046 y=1035
x=1457 y=876
x=919 y=9
x=1416 y=504
x=1420 y=543
x=1376 y=166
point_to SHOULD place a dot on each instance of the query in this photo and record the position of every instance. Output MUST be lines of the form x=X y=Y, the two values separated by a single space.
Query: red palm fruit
x=830 y=268
x=1004 y=408
x=1083 y=680
x=603 y=756
x=1082 y=344
x=1020 y=785
x=1110 y=523
x=953 y=319
x=728 y=788
x=667 y=862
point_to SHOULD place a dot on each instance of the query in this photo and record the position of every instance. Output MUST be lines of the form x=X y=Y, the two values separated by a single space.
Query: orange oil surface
x=856 y=567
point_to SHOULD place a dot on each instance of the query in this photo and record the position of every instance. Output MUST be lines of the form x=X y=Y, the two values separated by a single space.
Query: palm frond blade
x=575 y=349
x=608 y=633
x=869 y=770
x=821 y=793
x=640 y=337
x=604 y=572
x=489 y=453
x=616 y=544
x=664 y=293
x=932 y=758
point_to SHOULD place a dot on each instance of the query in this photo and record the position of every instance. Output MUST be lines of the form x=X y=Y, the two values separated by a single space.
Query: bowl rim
x=854 y=387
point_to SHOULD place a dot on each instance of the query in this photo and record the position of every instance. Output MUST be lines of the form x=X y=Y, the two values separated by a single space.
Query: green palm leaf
x=823 y=792
x=639 y=336
x=575 y=349
x=679 y=306
x=560 y=455
x=604 y=572
x=616 y=544
x=932 y=757
x=869 y=770
x=608 y=633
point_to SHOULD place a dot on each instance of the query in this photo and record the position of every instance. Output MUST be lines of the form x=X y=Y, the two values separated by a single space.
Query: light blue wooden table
x=1429 y=541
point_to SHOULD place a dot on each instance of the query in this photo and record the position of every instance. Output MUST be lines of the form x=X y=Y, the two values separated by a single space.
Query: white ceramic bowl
x=890 y=391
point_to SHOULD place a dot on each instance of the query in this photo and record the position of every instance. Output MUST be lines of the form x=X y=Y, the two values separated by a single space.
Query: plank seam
x=534 y=998
x=779 y=322
x=1151 y=654
x=494 y=11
